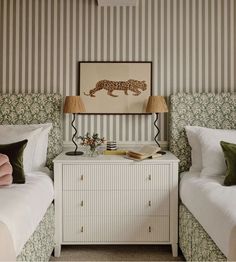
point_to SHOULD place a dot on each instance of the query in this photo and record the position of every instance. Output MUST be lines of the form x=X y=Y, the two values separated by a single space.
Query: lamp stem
x=73 y=137
x=74 y=153
x=158 y=130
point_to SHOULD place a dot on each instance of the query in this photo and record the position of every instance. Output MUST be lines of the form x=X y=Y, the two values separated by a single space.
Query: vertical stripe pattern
x=191 y=43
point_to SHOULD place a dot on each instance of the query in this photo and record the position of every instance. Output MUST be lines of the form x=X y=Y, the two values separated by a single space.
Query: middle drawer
x=99 y=203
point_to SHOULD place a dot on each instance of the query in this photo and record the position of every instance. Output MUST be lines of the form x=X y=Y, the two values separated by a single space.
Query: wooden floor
x=117 y=253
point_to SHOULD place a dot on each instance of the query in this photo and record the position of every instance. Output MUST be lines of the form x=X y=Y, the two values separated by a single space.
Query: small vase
x=92 y=151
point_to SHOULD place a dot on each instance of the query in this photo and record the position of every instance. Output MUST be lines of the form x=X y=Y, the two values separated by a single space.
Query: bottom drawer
x=116 y=229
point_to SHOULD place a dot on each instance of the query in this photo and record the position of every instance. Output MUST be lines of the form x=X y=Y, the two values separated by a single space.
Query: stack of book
x=147 y=151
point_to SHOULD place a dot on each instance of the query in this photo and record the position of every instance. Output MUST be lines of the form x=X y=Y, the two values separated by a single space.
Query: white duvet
x=22 y=206
x=214 y=206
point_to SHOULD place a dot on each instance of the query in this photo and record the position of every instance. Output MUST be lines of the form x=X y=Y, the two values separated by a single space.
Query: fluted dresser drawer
x=97 y=203
x=116 y=229
x=116 y=177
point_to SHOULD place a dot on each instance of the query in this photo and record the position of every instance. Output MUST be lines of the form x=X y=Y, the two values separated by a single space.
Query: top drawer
x=116 y=177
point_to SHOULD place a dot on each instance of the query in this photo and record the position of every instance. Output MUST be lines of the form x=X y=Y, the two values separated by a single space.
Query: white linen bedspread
x=214 y=206
x=22 y=206
x=7 y=251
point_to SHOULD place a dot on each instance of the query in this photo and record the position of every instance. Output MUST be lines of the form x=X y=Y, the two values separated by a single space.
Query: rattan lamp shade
x=74 y=104
x=156 y=104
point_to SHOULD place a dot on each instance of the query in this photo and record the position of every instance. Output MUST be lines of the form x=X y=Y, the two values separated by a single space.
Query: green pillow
x=229 y=150
x=15 y=153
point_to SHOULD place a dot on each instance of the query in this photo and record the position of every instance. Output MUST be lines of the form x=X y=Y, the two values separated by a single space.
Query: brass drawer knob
x=149 y=203
x=149 y=229
x=82 y=203
x=82 y=177
x=82 y=229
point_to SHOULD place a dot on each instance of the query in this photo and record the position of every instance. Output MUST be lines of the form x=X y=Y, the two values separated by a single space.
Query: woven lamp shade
x=156 y=104
x=73 y=104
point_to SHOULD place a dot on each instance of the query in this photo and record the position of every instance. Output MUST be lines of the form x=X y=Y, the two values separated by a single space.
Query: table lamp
x=156 y=104
x=74 y=105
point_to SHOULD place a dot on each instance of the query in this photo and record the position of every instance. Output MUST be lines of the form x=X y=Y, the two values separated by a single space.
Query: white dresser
x=113 y=200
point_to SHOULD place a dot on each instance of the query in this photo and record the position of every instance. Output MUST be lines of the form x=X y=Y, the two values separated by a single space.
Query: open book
x=143 y=153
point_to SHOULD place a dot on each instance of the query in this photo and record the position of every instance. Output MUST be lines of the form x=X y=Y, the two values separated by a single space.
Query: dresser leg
x=57 y=251
x=174 y=250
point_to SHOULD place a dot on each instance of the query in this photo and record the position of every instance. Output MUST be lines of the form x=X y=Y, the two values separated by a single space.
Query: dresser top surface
x=63 y=158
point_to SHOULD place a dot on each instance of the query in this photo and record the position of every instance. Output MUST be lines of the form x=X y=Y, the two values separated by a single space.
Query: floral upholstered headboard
x=206 y=110
x=17 y=109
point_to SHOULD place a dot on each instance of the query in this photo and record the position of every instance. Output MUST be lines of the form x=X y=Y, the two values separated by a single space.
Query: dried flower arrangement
x=93 y=141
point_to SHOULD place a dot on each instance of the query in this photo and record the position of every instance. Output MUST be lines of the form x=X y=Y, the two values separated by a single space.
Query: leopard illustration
x=110 y=86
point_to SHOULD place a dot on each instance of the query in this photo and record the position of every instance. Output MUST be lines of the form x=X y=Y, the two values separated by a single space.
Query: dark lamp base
x=77 y=153
x=161 y=152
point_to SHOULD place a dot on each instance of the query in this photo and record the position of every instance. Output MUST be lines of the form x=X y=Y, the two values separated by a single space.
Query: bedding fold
x=7 y=251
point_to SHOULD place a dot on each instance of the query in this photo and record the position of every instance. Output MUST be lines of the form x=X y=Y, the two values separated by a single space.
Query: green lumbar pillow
x=229 y=150
x=15 y=153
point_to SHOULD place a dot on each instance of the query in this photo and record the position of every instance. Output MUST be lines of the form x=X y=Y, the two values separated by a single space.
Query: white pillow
x=14 y=133
x=40 y=155
x=213 y=162
x=196 y=152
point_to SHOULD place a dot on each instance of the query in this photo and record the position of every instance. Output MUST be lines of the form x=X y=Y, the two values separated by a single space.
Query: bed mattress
x=214 y=206
x=24 y=205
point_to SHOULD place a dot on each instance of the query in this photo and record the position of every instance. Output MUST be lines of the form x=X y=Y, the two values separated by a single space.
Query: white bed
x=206 y=210
x=214 y=206
x=26 y=210
x=24 y=205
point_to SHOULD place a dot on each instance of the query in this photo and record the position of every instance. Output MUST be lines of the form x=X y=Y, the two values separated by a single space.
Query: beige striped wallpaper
x=192 y=44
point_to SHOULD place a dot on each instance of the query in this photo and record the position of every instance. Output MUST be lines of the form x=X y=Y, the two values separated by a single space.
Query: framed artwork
x=115 y=87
